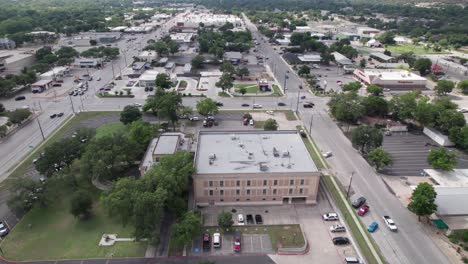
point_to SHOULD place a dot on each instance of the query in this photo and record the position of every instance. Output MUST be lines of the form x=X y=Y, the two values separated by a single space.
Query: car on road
x=240 y=219
x=390 y=223
x=463 y=110
x=216 y=240
x=257 y=106
x=251 y=122
x=250 y=220
x=363 y=210
x=327 y=154
x=372 y=227
x=308 y=105
x=53 y=115
x=60 y=114
x=194 y=118
x=236 y=239
x=340 y=241
x=352 y=260
x=258 y=219
x=303 y=133
x=219 y=104
x=358 y=202
x=98 y=79
x=337 y=228
x=303 y=97
x=330 y=217
x=4 y=230
x=281 y=104
x=71 y=92
x=245 y=105
x=300 y=87
x=206 y=241
x=19 y=98
x=137 y=105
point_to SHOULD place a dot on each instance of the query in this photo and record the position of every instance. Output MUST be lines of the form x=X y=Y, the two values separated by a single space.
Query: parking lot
x=409 y=152
x=251 y=244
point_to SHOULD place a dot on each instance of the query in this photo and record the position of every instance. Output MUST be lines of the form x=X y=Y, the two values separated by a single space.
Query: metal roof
x=451 y=200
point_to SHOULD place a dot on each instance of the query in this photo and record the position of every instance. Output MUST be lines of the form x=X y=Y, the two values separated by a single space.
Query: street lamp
x=349 y=186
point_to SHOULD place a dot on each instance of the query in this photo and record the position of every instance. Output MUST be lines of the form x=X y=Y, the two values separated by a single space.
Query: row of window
x=265 y=182
x=264 y=192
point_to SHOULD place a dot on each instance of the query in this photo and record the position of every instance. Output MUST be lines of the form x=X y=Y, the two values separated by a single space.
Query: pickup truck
x=389 y=222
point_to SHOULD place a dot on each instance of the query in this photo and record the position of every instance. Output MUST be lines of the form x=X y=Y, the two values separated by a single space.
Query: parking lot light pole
x=71 y=101
x=40 y=128
x=349 y=186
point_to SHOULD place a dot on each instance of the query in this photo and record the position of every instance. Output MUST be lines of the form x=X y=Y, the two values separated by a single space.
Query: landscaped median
x=365 y=243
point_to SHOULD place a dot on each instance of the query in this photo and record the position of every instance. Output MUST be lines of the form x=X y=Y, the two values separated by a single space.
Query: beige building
x=253 y=167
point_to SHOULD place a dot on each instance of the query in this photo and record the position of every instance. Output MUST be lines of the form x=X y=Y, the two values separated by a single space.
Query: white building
x=148 y=56
x=208 y=19
x=367 y=31
x=310 y=58
x=373 y=43
x=391 y=79
x=402 y=40
x=57 y=73
x=87 y=62
x=148 y=78
x=182 y=37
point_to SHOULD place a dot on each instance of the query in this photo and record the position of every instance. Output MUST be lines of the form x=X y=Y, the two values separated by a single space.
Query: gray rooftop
x=451 y=200
x=252 y=152
x=233 y=55
x=381 y=56
x=166 y=145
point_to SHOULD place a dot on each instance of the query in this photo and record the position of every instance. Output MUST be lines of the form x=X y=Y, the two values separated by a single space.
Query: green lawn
x=411 y=48
x=259 y=124
x=276 y=90
x=53 y=233
x=109 y=129
x=223 y=94
x=290 y=116
x=280 y=235
x=251 y=88
x=182 y=84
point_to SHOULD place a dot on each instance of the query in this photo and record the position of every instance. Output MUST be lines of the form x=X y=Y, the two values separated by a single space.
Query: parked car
x=303 y=133
x=250 y=220
x=308 y=105
x=352 y=260
x=245 y=105
x=327 y=154
x=240 y=219
x=372 y=227
x=330 y=217
x=19 y=98
x=258 y=219
x=257 y=106
x=216 y=240
x=60 y=114
x=4 y=230
x=363 y=210
x=53 y=115
x=219 y=104
x=340 y=241
x=246 y=122
x=98 y=79
x=206 y=241
x=236 y=238
x=137 y=105
x=251 y=122
x=194 y=118
x=300 y=87
x=281 y=104
x=390 y=223
x=71 y=92
x=358 y=202
x=303 y=97
x=337 y=228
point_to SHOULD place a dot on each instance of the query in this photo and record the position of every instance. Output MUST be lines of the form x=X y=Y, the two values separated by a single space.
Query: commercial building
x=148 y=79
x=367 y=31
x=233 y=56
x=15 y=60
x=57 y=73
x=391 y=79
x=148 y=56
x=381 y=57
x=40 y=86
x=193 y=20
x=341 y=59
x=88 y=62
x=140 y=66
x=253 y=167
x=373 y=43
x=85 y=38
x=310 y=58
x=6 y=43
x=182 y=37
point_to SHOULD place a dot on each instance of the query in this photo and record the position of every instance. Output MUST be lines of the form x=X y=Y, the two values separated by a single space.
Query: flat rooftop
x=394 y=75
x=252 y=152
x=455 y=178
x=166 y=145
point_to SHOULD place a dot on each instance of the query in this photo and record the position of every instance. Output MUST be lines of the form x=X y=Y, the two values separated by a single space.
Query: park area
x=252 y=89
x=416 y=49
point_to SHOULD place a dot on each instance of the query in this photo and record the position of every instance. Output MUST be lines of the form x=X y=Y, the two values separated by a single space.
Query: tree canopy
x=207 y=106
x=423 y=200
x=442 y=159
x=130 y=114
x=366 y=138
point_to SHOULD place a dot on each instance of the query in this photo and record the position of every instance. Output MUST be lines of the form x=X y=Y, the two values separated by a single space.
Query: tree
x=363 y=63
x=444 y=87
x=207 y=106
x=459 y=136
x=243 y=90
x=225 y=82
x=142 y=132
x=173 y=47
x=2 y=108
x=379 y=158
x=304 y=70
x=423 y=65
x=388 y=53
x=163 y=81
x=375 y=106
x=197 y=62
x=270 y=124
x=423 y=200
x=374 y=89
x=165 y=105
x=130 y=114
x=346 y=107
x=228 y=68
x=25 y=193
x=184 y=231
x=225 y=220
x=463 y=86
x=388 y=37
x=59 y=155
x=93 y=42
x=403 y=106
x=18 y=115
x=436 y=69
x=81 y=204
x=366 y=138
x=241 y=72
x=449 y=119
x=352 y=86
x=442 y=159
x=426 y=113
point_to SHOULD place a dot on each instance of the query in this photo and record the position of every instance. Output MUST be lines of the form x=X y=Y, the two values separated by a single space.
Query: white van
x=216 y=240
x=80 y=85
x=352 y=260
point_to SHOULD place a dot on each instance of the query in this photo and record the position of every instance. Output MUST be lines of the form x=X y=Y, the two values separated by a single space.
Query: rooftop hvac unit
x=275 y=152
x=285 y=153
x=263 y=167
x=233 y=137
x=212 y=156
x=241 y=144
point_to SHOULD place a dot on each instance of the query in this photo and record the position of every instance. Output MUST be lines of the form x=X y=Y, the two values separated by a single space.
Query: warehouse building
x=253 y=168
x=391 y=79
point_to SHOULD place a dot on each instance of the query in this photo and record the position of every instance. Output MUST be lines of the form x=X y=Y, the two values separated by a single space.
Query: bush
x=81 y=204
x=19 y=115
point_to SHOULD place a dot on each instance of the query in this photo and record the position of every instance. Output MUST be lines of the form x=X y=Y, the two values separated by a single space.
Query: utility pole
x=297 y=104
x=71 y=101
x=40 y=128
x=310 y=125
x=284 y=86
x=113 y=74
x=349 y=186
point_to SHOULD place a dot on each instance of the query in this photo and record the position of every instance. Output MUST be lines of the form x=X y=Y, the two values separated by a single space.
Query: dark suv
x=340 y=241
x=358 y=202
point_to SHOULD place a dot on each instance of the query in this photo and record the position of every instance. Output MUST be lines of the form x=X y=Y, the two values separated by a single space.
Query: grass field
x=411 y=48
x=223 y=94
x=290 y=116
x=280 y=235
x=251 y=88
x=109 y=129
x=53 y=233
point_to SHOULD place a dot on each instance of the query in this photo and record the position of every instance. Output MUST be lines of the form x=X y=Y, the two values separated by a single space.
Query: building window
x=211 y=192
x=274 y=191
x=264 y=182
x=221 y=192
x=248 y=199
x=291 y=182
x=302 y=181
x=248 y=192
x=264 y=191
x=248 y=183
x=290 y=191
x=274 y=199
x=222 y=200
x=263 y=199
x=301 y=191
x=221 y=183
x=238 y=183
x=237 y=199
x=275 y=182
x=211 y=183
x=237 y=192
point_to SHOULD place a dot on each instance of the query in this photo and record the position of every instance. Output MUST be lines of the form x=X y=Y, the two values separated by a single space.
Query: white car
x=390 y=223
x=251 y=122
x=240 y=219
x=194 y=118
x=257 y=106
x=330 y=217
x=137 y=105
x=337 y=228
x=463 y=110
x=327 y=154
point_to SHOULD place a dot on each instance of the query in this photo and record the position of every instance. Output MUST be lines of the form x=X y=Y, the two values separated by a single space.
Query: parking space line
x=261 y=243
x=251 y=244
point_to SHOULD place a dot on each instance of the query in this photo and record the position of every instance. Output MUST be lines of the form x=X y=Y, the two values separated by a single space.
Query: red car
x=363 y=210
x=237 y=241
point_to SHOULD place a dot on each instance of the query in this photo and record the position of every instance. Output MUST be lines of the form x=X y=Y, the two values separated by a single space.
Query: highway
x=409 y=245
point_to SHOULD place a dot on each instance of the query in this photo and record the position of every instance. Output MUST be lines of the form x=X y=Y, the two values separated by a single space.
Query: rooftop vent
x=275 y=152
x=286 y=153
x=233 y=137
x=263 y=167
x=241 y=145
